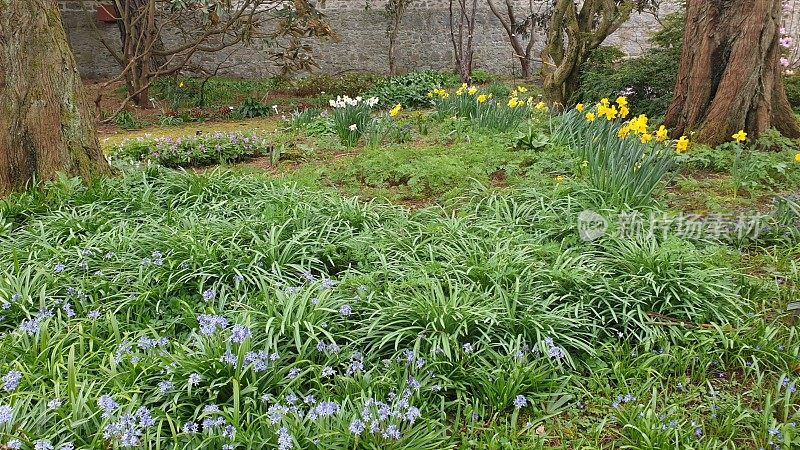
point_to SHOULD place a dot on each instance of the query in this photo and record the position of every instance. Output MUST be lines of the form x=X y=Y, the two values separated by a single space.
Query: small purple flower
x=107 y=404
x=43 y=444
x=239 y=333
x=190 y=428
x=346 y=310
x=284 y=439
x=165 y=386
x=229 y=358
x=54 y=404
x=11 y=380
x=194 y=379
x=327 y=283
x=468 y=348
x=14 y=444
x=357 y=427
x=293 y=373
x=6 y=414
x=209 y=294
x=58 y=268
x=391 y=432
x=94 y=314
x=68 y=311
x=520 y=401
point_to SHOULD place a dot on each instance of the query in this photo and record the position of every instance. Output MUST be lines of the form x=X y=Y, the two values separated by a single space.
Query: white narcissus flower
x=353 y=127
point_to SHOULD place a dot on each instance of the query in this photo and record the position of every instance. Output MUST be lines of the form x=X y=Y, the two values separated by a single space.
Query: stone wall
x=361 y=43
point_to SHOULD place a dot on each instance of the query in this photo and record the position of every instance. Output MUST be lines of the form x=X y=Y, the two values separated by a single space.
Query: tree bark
x=46 y=123
x=571 y=37
x=729 y=77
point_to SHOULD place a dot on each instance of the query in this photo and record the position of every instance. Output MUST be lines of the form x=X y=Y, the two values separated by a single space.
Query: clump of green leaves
x=410 y=89
x=619 y=164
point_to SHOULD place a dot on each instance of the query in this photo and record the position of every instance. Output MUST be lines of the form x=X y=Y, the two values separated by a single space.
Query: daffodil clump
x=622 y=155
x=351 y=117
x=469 y=102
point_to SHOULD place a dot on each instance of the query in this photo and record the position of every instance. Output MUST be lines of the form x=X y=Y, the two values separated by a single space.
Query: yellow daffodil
x=682 y=145
x=622 y=101
x=605 y=102
x=623 y=112
x=740 y=137
x=611 y=113
x=646 y=137
x=522 y=89
x=559 y=179
x=181 y=84
x=396 y=110
x=472 y=91
x=482 y=98
x=541 y=106
x=624 y=131
x=661 y=134
x=513 y=102
x=639 y=124
x=590 y=117
x=797 y=157
x=579 y=107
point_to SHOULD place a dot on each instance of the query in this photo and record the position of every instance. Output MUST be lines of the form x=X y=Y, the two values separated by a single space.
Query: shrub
x=125 y=119
x=192 y=151
x=251 y=107
x=648 y=81
x=410 y=89
x=186 y=92
x=349 y=84
x=792 y=84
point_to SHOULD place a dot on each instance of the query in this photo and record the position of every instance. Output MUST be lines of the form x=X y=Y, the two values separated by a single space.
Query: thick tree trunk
x=46 y=125
x=729 y=77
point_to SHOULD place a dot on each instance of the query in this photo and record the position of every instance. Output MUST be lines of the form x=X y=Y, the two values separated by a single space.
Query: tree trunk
x=729 y=77
x=571 y=37
x=509 y=22
x=46 y=124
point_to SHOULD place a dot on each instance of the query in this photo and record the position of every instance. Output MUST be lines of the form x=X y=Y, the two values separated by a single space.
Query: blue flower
x=58 y=268
x=520 y=401
x=107 y=404
x=194 y=379
x=346 y=310
x=30 y=326
x=14 y=444
x=239 y=333
x=284 y=439
x=6 y=414
x=190 y=427
x=11 y=380
x=209 y=294
x=43 y=444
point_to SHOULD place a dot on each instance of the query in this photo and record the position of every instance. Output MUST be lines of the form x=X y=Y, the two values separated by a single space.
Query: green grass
x=431 y=321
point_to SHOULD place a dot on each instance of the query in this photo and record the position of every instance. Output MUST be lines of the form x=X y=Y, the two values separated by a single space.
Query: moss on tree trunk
x=46 y=123
x=729 y=77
